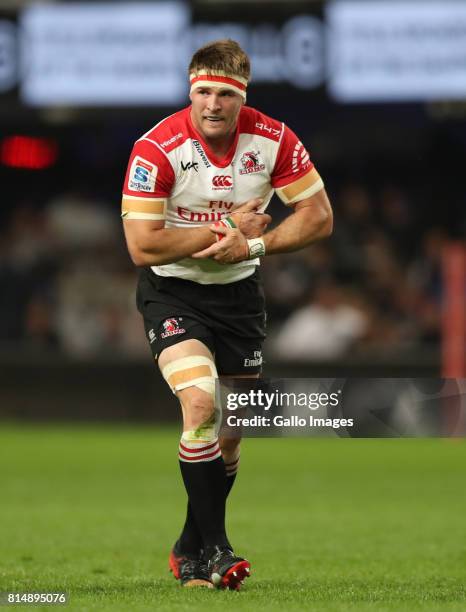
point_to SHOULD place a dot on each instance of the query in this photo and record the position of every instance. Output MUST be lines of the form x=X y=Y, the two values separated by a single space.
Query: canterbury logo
x=222 y=181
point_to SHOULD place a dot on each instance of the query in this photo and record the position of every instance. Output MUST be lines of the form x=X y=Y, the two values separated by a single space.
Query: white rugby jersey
x=174 y=176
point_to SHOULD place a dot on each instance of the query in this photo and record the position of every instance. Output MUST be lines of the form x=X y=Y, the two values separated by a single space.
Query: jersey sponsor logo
x=300 y=160
x=222 y=181
x=255 y=361
x=142 y=175
x=251 y=162
x=167 y=143
x=200 y=217
x=152 y=336
x=202 y=155
x=267 y=128
x=189 y=166
x=220 y=204
x=172 y=328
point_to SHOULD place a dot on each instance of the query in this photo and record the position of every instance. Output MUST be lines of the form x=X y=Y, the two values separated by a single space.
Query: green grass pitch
x=328 y=524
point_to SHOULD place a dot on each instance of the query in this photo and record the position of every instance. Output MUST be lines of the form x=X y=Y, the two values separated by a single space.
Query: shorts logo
x=251 y=162
x=224 y=182
x=142 y=175
x=172 y=328
x=256 y=361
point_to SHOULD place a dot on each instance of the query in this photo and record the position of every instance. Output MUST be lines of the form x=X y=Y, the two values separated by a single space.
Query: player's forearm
x=150 y=244
x=300 y=229
x=164 y=246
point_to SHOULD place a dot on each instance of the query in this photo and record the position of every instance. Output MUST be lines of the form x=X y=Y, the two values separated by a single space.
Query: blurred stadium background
x=377 y=92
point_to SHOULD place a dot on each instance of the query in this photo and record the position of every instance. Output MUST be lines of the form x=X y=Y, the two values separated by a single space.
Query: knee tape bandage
x=195 y=371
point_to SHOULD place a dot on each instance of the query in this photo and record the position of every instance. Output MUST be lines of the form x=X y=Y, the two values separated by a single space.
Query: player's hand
x=249 y=206
x=231 y=249
x=251 y=222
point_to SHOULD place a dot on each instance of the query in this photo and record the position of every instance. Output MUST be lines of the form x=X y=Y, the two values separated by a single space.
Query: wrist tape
x=256 y=248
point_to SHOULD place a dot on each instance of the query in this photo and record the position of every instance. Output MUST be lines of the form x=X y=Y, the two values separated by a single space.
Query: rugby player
x=194 y=197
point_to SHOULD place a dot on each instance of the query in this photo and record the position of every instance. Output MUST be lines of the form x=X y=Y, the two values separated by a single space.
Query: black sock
x=229 y=484
x=203 y=472
x=190 y=540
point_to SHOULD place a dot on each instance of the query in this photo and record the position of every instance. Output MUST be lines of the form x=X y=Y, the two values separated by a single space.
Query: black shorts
x=229 y=319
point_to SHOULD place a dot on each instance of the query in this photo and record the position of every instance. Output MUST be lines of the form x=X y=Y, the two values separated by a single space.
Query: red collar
x=220 y=162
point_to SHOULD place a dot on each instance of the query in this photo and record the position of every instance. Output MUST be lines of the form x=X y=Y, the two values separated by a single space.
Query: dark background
x=71 y=343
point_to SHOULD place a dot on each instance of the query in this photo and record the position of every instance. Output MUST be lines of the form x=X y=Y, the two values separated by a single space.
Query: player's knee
x=193 y=378
x=199 y=416
x=199 y=406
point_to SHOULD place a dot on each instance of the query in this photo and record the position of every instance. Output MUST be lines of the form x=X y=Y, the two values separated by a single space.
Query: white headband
x=217 y=78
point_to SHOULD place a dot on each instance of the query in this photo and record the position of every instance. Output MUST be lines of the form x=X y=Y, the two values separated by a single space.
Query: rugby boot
x=226 y=570
x=189 y=569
